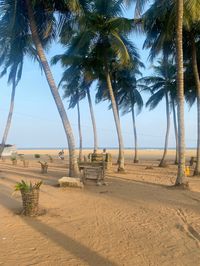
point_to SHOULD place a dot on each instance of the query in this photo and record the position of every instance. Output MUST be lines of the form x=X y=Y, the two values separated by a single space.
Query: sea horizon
x=100 y=148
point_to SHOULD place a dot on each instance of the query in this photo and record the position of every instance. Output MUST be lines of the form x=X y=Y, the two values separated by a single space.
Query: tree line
x=99 y=50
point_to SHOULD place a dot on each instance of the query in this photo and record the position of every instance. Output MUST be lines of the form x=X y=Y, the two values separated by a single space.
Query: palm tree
x=130 y=100
x=73 y=91
x=160 y=39
x=162 y=16
x=197 y=85
x=192 y=90
x=174 y=104
x=73 y=166
x=92 y=118
x=181 y=179
x=103 y=95
x=126 y=95
x=77 y=71
x=12 y=54
x=192 y=16
x=101 y=34
x=39 y=19
x=163 y=85
x=80 y=134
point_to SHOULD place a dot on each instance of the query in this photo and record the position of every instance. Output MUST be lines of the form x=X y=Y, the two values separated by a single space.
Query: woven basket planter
x=14 y=162
x=25 y=163
x=30 y=201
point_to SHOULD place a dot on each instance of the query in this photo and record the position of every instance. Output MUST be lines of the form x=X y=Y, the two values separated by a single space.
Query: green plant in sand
x=27 y=187
x=30 y=196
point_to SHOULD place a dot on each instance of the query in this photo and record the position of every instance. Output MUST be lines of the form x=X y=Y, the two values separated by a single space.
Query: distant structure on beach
x=9 y=150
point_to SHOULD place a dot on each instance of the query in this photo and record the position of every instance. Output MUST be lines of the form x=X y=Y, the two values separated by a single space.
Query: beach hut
x=9 y=150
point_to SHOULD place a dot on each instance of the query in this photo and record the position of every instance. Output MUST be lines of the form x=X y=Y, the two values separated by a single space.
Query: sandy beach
x=138 y=218
x=144 y=154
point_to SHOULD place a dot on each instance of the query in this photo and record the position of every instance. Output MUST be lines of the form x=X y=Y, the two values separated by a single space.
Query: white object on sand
x=9 y=150
x=70 y=182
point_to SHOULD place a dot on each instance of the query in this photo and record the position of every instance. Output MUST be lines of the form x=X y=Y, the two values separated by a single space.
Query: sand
x=137 y=219
x=143 y=154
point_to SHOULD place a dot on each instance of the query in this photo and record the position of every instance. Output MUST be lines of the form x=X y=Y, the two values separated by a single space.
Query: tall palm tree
x=80 y=134
x=92 y=118
x=164 y=14
x=73 y=166
x=13 y=48
x=101 y=34
x=197 y=85
x=130 y=100
x=181 y=178
x=163 y=85
x=40 y=20
x=127 y=96
x=75 y=94
x=192 y=81
x=77 y=72
x=103 y=95
x=174 y=106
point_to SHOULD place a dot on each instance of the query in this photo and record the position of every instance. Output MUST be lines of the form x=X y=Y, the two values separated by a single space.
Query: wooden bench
x=100 y=158
x=92 y=171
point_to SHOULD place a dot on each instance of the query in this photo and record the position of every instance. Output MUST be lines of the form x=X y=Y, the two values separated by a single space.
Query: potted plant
x=14 y=160
x=25 y=162
x=50 y=158
x=44 y=167
x=30 y=196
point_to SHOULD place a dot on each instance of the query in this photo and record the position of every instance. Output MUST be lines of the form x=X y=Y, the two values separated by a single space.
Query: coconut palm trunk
x=135 y=135
x=9 y=119
x=181 y=178
x=175 y=131
x=116 y=100
x=197 y=83
x=73 y=165
x=162 y=162
x=121 y=167
x=93 y=120
x=80 y=134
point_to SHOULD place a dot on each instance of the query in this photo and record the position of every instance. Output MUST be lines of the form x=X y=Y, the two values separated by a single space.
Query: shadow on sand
x=77 y=249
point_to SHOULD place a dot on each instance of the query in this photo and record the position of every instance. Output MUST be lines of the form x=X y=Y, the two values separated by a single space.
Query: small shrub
x=27 y=187
x=13 y=160
x=44 y=167
x=37 y=156
x=50 y=158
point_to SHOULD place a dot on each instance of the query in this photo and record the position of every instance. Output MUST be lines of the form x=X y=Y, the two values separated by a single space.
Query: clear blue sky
x=36 y=122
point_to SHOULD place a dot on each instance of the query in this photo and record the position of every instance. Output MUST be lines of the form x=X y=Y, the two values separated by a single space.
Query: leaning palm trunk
x=181 y=178
x=197 y=82
x=116 y=118
x=93 y=120
x=9 y=119
x=175 y=131
x=162 y=162
x=80 y=134
x=73 y=165
x=135 y=135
